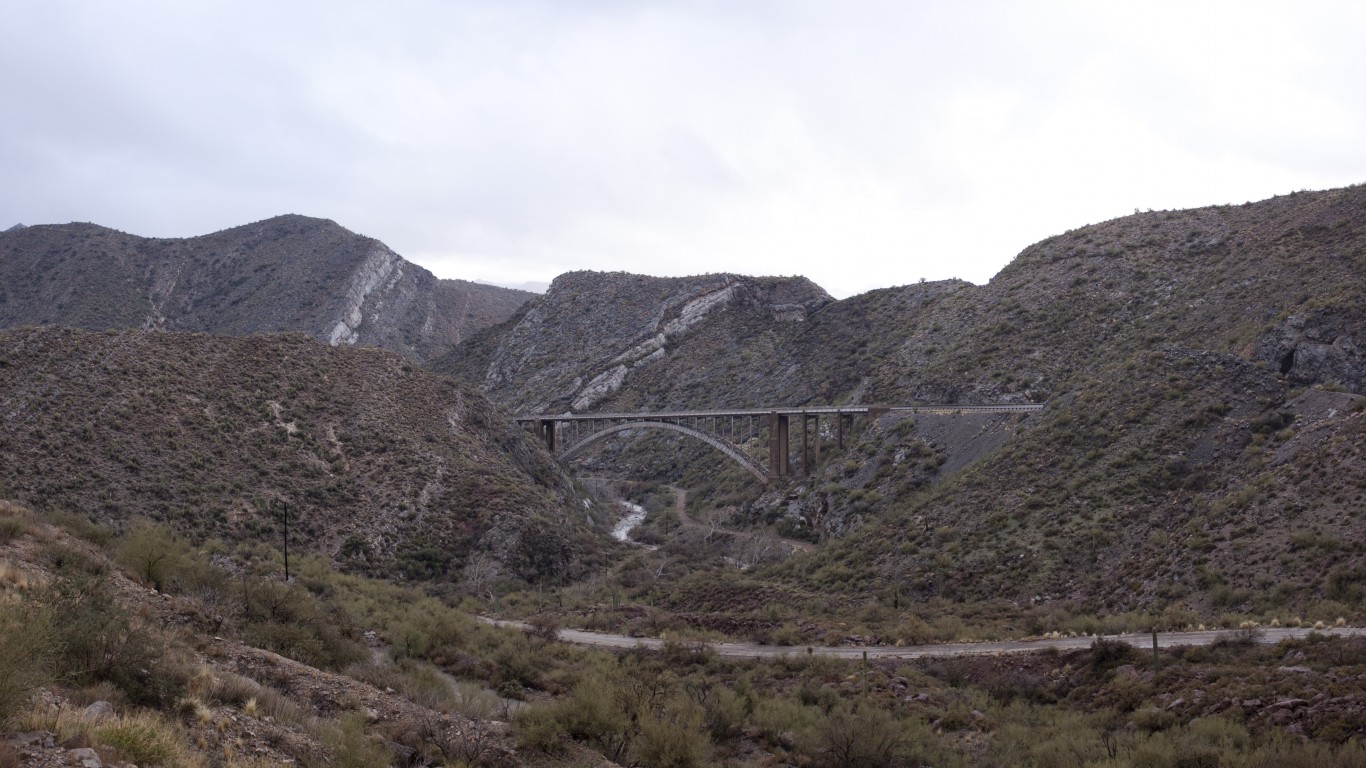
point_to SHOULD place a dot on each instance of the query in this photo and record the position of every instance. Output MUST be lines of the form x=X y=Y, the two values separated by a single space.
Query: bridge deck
x=853 y=410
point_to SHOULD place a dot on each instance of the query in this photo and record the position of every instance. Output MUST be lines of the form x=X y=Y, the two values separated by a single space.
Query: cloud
x=861 y=144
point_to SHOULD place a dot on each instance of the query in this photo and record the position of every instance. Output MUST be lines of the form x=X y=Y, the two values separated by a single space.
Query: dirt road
x=681 y=510
x=756 y=651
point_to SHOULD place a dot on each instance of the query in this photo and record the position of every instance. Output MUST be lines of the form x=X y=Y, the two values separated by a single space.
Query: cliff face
x=290 y=273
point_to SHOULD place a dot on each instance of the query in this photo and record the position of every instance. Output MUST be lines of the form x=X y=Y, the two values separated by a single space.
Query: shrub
x=539 y=728
x=867 y=737
x=352 y=747
x=1106 y=654
x=142 y=740
x=100 y=641
x=27 y=649
x=673 y=738
x=12 y=528
x=150 y=551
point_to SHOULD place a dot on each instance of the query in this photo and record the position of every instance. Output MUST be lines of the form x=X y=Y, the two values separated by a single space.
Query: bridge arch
x=736 y=455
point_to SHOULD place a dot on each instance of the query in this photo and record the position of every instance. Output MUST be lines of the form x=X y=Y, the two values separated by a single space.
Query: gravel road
x=1268 y=635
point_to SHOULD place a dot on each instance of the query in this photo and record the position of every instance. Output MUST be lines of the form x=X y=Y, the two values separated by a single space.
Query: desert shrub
x=539 y=728
x=289 y=620
x=416 y=681
x=352 y=747
x=152 y=552
x=776 y=717
x=1106 y=654
x=78 y=525
x=593 y=714
x=12 y=528
x=98 y=640
x=725 y=710
x=866 y=737
x=27 y=650
x=543 y=626
x=142 y=740
x=672 y=737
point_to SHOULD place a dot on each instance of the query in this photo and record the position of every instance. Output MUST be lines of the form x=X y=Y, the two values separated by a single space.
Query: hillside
x=615 y=341
x=1201 y=449
x=289 y=273
x=387 y=469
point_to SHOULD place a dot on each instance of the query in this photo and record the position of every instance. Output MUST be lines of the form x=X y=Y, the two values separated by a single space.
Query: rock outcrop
x=289 y=273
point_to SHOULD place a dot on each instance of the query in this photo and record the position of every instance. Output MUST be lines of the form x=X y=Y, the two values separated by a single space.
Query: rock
x=27 y=738
x=1288 y=704
x=1296 y=670
x=86 y=757
x=100 y=710
x=1176 y=703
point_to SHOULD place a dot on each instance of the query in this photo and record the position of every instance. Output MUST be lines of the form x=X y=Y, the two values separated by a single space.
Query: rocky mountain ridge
x=288 y=273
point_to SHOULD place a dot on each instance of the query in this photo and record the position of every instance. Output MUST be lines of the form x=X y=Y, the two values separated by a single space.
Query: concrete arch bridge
x=732 y=431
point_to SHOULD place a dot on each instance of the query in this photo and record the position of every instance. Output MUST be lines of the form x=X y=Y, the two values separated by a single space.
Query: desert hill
x=1204 y=371
x=289 y=273
x=388 y=469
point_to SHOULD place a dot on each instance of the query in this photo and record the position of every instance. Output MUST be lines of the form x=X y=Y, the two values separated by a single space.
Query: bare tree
x=755 y=547
x=480 y=574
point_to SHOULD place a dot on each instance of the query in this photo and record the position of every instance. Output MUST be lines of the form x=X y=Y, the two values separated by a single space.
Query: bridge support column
x=548 y=432
x=816 y=449
x=811 y=443
x=777 y=444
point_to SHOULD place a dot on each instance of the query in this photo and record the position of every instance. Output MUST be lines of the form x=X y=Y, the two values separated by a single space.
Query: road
x=681 y=510
x=1269 y=635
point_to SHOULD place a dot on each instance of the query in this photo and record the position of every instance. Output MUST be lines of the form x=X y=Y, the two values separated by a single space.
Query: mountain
x=289 y=273
x=1203 y=370
x=616 y=341
x=386 y=468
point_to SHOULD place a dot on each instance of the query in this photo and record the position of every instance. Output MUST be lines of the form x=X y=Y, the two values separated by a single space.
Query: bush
x=99 y=641
x=27 y=650
x=539 y=728
x=143 y=740
x=353 y=748
x=673 y=738
x=867 y=737
x=1106 y=654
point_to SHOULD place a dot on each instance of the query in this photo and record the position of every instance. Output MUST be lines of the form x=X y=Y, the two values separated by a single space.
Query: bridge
x=731 y=431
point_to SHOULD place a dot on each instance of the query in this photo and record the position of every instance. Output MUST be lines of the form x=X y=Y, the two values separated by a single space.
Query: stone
x=86 y=758
x=98 y=711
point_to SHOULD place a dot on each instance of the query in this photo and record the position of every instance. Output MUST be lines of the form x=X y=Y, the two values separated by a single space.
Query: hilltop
x=288 y=273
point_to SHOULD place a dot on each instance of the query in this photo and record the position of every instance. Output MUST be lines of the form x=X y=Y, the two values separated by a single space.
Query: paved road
x=1269 y=635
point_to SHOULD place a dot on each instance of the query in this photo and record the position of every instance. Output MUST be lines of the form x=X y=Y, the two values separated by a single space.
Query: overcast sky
x=860 y=143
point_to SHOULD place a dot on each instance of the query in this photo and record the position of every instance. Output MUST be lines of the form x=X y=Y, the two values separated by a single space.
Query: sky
x=861 y=143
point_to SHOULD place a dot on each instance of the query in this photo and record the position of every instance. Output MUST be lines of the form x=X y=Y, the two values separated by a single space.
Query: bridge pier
x=777 y=444
x=548 y=434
